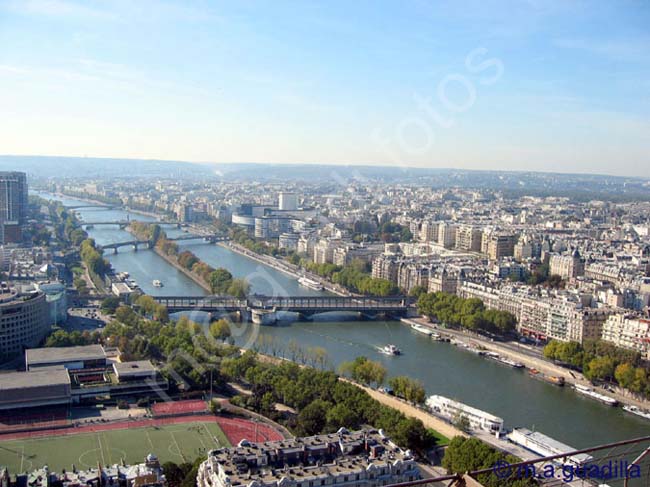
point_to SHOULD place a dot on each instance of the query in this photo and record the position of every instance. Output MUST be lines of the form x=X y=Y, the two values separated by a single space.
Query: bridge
x=90 y=205
x=126 y=223
x=207 y=238
x=129 y=243
x=136 y=243
x=264 y=309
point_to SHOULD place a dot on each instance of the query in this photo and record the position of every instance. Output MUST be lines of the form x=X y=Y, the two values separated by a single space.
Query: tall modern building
x=288 y=201
x=13 y=206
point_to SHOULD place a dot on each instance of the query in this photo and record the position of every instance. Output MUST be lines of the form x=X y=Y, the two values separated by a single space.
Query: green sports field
x=174 y=442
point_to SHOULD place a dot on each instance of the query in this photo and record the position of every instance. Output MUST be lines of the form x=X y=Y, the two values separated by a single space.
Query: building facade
x=24 y=321
x=363 y=458
x=13 y=206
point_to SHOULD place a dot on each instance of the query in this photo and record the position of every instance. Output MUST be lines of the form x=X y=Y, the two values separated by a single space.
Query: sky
x=557 y=85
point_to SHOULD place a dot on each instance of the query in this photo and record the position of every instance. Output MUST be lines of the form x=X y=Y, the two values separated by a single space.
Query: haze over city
x=544 y=86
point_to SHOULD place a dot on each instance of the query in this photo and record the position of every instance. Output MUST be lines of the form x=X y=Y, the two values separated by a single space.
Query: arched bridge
x=126 y=223
x=139 y=243
x=129 y=243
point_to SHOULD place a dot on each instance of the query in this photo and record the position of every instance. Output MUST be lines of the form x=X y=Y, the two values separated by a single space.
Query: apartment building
x=628 y=331
x=567 y=266
x=363 y=458
x=469 y=238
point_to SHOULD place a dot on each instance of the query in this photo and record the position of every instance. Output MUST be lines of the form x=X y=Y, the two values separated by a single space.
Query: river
x=443 y=368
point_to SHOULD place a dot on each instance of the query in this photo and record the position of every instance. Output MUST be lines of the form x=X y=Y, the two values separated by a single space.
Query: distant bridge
x=207 y=238
x=139 y=243
x=129 y=243
x=126 y=223
x=90 y=205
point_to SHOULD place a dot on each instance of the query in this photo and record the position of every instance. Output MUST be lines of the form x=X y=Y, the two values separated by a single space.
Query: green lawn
x=176 y=443
x=440 y=439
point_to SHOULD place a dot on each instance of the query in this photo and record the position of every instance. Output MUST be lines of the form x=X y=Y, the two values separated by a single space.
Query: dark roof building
x=29 y=389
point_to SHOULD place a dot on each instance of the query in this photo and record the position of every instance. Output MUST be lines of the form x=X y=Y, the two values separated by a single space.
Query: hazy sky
x=535 y=85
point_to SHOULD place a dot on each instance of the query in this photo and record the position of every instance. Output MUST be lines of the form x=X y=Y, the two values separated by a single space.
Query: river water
x=443 y=368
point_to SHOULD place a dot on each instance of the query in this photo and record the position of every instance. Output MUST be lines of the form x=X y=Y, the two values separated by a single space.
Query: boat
x=505 y=361
x=310 y=284
x=546 y=446
x=157 y=283
x=589 y=392
x=421 y=329
x=391 y=350
x=452 y=410
x=475 y=350
x=551 y=379
x=644 y=413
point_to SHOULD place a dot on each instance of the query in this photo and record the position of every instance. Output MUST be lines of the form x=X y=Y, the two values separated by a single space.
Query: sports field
x=173 y=442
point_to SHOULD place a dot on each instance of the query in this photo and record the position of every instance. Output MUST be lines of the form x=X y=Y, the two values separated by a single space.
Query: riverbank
x=281 y=266
x=540 y=363
x=196 y=279
x=439 y=425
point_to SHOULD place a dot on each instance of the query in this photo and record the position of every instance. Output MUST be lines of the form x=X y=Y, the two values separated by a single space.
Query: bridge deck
x=289 y=303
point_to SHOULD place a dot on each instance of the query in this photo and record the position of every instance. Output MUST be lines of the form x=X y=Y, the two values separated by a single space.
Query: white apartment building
x=628 y=331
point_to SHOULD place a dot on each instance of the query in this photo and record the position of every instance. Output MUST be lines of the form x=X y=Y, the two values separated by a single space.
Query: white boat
x=453 y=410
x=588 y=391
x=310 y=284
x=157 y=283
x=391 y=350
x=421 y=329
x=644 y=413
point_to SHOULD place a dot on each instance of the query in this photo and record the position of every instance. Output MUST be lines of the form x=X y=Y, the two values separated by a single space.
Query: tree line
x=602 y=361
x=323 y=402
x=354 y=277
x=469 y=313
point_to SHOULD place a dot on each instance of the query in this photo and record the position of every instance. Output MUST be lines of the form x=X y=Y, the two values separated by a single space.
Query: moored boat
x=505 y=361
x=157 y=283
x=643 y=413
x=421 y=329
x=589 y=392
x=551 y=379
x=310 y=284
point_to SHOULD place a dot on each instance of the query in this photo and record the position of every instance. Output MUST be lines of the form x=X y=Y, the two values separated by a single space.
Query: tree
x=467 y=454
x=220 y=329
x=417 y=291
x=407 y=388
x=341 y=416
x=624 y=375
x=219 y=280
x=110 y=304
x=600 y=368
x=312 y=419
x=364 y=371
x=238 y=288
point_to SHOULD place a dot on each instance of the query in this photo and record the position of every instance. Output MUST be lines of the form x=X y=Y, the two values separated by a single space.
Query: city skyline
x=558 y=87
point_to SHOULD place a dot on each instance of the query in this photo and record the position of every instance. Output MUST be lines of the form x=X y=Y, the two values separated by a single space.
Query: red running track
x=235 y=429
x=179 y=407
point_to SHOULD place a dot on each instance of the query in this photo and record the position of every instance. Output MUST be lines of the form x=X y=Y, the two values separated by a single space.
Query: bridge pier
x=263 y=316
x=115 y=250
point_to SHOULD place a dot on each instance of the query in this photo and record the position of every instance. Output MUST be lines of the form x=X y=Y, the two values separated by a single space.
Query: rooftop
x=55 y=355
x=135 y=368
x=28 y=380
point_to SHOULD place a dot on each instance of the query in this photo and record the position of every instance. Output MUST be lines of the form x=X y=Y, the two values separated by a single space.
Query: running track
x=235 y=429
